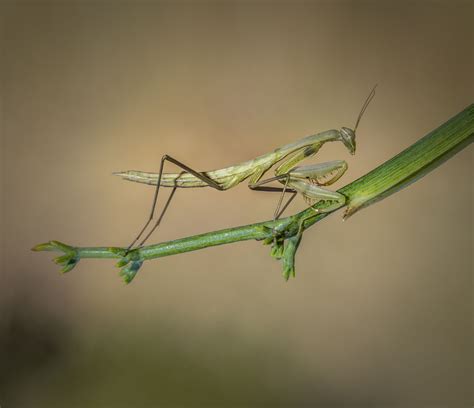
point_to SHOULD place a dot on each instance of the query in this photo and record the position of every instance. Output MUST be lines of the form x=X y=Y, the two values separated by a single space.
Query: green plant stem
x=388 y=178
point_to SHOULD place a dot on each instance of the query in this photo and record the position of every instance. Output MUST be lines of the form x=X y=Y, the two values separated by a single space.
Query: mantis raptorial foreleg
x=313 y=194
x=311 y=176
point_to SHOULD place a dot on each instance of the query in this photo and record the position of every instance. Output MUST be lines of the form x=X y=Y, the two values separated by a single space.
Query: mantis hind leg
x=201 y=176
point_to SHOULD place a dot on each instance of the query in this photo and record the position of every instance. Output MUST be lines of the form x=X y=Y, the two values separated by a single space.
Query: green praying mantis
x=309 y=180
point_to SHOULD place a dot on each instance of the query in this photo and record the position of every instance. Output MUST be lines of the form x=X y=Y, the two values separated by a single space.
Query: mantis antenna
x=364 y=106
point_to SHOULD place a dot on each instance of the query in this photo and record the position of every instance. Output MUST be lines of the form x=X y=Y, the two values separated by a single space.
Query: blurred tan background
x=380 y=312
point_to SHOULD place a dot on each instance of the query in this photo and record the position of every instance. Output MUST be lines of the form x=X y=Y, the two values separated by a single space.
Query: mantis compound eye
x=348 y=138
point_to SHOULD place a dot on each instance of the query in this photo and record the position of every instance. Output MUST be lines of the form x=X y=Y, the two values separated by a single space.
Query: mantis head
x=348 y=135
x=348 y=138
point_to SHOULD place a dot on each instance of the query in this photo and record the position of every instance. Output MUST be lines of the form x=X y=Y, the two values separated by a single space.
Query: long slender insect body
x=230 y=176
x=302 y=179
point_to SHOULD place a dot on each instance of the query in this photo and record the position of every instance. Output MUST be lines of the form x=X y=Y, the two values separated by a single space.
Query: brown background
x=380 y=312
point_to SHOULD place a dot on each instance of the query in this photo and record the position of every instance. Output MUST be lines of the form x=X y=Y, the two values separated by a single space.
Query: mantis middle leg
x=258 y=186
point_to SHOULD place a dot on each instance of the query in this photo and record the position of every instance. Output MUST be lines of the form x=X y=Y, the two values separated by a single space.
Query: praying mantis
x=309 y=180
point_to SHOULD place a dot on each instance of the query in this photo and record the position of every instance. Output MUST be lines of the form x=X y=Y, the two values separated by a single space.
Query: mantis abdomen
x=226 y=178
